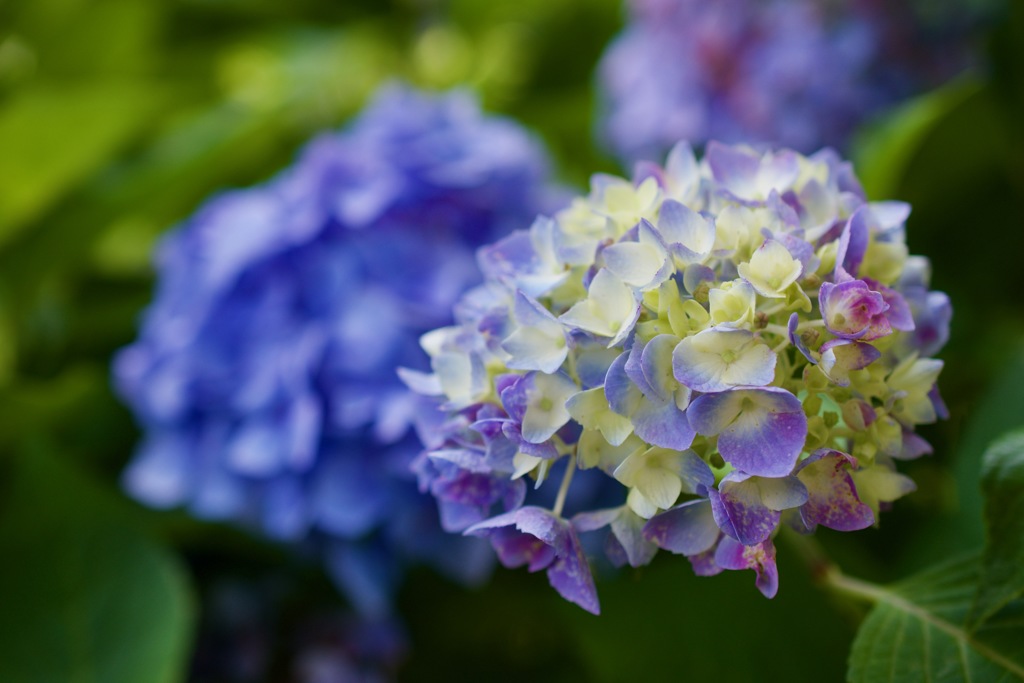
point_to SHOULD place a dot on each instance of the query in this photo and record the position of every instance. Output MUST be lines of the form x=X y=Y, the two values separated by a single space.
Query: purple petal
x=695 y=274
x=941 y=411
x=514 y=433
x=543 y=524
x=932 y=315
x=469 y=460
x=663 y=424
x=456 y=516
x=853 y=243
x=783 y=493
x=595 y=519
x=516 y=549
x=704 y=563
x=623 y=396
x=684 y=230
x=470 y=488
x=832 y=497
x=890 y=214
x=628 y=530
x=796 y=340
x=913 y=447
x=656 y=364
x=898 y=315
x=642 y=170
x=761 y=558
x=698 y=361
x=687 y=529
x=570 y=576
x=515 y=396
x=635 y=370
x=840 y=357
x=735 y=169
x=696 y=475
x=762 y=431
x=740 y=514
x=537 y=538
x=798 y=248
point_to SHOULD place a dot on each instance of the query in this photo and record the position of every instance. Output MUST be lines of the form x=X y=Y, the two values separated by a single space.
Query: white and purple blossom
x=732 y=342
x=263 y=375
x=793 y=72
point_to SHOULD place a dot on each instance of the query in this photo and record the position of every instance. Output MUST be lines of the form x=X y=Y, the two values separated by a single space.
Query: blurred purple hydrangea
x=793 y=72
x=264 y=373
x=262 y=628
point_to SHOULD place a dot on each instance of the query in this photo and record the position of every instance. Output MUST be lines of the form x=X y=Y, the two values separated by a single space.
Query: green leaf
x=916 y=631
x=1002 y=568
x=883 y=151
x=55 y=136
x=86 y=595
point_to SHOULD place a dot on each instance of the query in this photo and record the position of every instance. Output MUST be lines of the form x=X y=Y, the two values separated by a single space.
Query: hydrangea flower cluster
x=264 y=371
x=792 y=72
x=740 y=342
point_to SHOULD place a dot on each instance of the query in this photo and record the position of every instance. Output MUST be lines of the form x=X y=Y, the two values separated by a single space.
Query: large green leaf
x=883 y=151
x=54 y=136
x=916 y=631
x=1002 y=569
x=86 y=596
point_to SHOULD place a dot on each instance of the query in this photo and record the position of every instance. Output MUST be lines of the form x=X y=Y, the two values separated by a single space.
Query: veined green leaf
x=1002 y=567
x=883 y=150
x=916 y=632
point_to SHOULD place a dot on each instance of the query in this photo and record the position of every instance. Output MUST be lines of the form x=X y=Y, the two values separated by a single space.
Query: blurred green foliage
x=100 y=601
x=117 y=117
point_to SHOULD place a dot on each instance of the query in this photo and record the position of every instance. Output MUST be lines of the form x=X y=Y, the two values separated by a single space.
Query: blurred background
x=119 y=117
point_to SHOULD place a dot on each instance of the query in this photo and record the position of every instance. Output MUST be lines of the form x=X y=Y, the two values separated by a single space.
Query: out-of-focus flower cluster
x=740 y=342
x=264 y=371
x=257 y=629
x=791 y=72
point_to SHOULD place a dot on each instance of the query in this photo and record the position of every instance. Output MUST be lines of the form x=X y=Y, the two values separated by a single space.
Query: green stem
x=772 y=310
x=827 y=573
x=571 y=366
x=563 y=490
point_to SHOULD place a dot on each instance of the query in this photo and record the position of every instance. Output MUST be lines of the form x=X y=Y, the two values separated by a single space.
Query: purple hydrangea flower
x=263 y=374
x=791 y=72
x=733 y=342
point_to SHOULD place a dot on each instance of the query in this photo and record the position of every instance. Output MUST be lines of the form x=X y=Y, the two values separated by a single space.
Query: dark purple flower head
x=791 y=72
x=851 y=310
x=264 y=372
